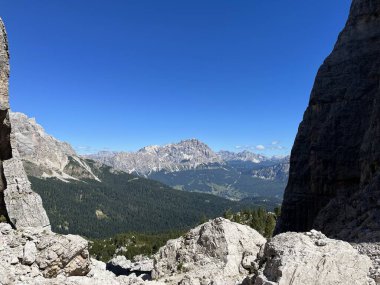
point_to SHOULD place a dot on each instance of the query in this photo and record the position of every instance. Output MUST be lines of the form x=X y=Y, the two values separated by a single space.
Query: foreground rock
x=334 y=182
x=24 y=206
x=33 y=252
x=217 y=252
x=311 y=258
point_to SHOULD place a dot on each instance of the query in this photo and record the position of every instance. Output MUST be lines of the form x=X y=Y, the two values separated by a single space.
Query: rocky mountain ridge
x=184 y=155
x=279 y=171
x=187 y=154
x=189 y=165
x=44 y=155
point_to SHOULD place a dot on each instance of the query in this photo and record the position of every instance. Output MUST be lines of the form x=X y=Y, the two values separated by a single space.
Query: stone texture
x=334 y=183
x=24 y=207
x=312 y=258
x=33 y=252
x=372 y=250
x=212 y=253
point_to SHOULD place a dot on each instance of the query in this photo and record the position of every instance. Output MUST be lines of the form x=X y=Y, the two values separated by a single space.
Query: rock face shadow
x=334 y=174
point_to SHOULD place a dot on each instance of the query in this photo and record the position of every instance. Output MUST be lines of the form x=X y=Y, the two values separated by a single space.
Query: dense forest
x=132 y=244
x=126 y=203
x=259 y=219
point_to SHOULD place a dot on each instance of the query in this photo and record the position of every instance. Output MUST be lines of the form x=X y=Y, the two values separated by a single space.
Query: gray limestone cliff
x=18 y=203
x=334 y=179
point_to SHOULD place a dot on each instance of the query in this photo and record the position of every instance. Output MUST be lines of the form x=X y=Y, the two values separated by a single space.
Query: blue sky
x=122 y=74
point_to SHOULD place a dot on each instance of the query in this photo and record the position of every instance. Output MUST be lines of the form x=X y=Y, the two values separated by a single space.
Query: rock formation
x=334 y=181
x=18 y=203
x=33 y=252
x=219 y=251
x=311 y=258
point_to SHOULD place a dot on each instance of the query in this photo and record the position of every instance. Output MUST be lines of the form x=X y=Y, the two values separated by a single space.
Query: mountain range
x=191 y=165
x=91 y=198
x=186 y=155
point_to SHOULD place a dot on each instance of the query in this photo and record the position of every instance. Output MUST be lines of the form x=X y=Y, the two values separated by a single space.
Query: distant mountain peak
x=244 y=155
x=184 y=155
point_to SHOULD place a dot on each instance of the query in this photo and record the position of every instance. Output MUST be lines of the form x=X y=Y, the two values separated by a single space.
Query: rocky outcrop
x=217 y=252
x=311 y=258
x=33 y=252
x=5 y=127
x=24 y=207
x=334 y=182
x=18 y=203
x=35 y=256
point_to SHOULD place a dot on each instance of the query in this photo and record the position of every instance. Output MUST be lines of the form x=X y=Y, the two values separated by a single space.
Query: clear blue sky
x=122 y=74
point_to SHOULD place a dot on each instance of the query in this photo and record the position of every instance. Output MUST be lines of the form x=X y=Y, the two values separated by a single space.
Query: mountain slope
x=124 y=202
x=45 y=156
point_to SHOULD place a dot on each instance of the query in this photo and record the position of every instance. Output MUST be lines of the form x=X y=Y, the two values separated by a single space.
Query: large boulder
x=217 y=252
x=334 y=179
x=312 y=258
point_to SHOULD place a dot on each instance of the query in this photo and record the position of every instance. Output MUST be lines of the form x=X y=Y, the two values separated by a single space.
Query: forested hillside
x=123 y=203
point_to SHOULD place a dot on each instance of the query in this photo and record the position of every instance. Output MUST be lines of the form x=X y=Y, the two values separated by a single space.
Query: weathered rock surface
x=334 y=183
x=24 y=207
x=212 y=253
x=372 y=250
x=33 y=252
x=312 y=258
